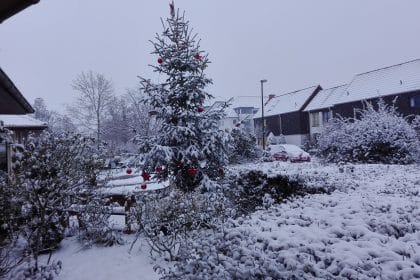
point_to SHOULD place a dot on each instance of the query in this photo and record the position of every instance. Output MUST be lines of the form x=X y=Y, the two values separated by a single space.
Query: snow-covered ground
x=368 y=227
x=104 y=263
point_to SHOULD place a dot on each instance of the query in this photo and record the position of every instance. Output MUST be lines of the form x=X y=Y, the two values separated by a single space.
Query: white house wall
x=297 y=139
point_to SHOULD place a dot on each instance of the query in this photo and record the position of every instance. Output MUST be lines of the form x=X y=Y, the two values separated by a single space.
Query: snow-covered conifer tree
x=189 y=149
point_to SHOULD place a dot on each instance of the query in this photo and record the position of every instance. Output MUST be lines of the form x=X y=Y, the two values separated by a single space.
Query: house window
x=3 y=156
x=326 y=116
x=315 y=119
x=415 y=102
x=246 y=110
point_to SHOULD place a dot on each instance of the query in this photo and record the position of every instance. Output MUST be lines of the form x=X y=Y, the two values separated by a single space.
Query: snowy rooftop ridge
x=289 y=102
x=395 y=79
x=243 y=101
x=326 y=98
x=14 y=121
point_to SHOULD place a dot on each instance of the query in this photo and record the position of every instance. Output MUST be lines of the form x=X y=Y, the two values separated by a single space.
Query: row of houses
x=298 y=117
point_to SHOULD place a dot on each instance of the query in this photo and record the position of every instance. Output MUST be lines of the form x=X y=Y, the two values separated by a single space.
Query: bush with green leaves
x=380 y=135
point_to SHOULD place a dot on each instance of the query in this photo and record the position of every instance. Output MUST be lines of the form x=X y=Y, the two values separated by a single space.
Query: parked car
x=278 y=152
x=296 y=154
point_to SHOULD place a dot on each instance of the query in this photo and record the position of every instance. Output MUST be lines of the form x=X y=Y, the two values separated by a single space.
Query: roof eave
x=9 y=8
x=14 y=92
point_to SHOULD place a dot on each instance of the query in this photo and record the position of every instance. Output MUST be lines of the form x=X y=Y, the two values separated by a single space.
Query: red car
x=286 y=152
x=278 y=152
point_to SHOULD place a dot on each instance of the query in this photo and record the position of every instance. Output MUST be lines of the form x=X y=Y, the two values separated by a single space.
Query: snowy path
x=104 y=263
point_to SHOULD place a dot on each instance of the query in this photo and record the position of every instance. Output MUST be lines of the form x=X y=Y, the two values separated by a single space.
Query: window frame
x=315 y=119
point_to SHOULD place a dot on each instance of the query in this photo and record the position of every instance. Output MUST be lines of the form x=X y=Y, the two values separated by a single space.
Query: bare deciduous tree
x=96 y=94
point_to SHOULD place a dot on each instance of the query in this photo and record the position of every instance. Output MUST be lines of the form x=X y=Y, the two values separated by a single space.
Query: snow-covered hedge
x=380 y=135
x=252 y=189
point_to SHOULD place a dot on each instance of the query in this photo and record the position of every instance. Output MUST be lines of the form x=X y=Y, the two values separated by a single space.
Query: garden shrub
x=380 y=135
x=254 y=188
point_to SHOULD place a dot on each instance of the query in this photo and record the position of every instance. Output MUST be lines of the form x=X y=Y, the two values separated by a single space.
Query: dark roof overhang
x=8 y=8
x=11 y=100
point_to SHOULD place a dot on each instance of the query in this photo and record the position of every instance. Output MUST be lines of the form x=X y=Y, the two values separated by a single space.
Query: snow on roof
x=239 y=102
x=21 y=121
x=289 y=102
x=243 y=102
x=400 y=78
x=326 y=98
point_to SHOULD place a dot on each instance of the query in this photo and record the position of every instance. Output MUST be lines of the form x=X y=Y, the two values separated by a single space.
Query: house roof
x=400 y=78
x=9 y=8
x=22 y=121
x=326 y=98
x=243 y=102
x=289 y=102
x=11 y=100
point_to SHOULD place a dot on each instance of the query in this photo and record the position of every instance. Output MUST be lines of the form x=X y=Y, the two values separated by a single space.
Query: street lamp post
x=262 y=112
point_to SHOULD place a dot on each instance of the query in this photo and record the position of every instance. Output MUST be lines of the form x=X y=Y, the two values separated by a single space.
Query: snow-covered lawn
x=368 y=227
x=104 y=263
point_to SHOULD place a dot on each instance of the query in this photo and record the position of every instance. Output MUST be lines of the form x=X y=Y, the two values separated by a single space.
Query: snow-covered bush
x=254 y=189
x=380 y=135
x=244 y=146
x=53 y=174
x=94 y=226
x=167 y=220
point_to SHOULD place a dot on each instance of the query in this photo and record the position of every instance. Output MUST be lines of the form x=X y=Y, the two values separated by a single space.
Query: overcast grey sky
x=294 y=43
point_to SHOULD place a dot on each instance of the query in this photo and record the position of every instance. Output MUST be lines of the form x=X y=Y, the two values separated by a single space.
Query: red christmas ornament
x=192 y=171
x=129 y=171
x=200 y=109
x=197 y=56
x=160 y=60
x=146 y=176
x=158 y=169
x=143 y=186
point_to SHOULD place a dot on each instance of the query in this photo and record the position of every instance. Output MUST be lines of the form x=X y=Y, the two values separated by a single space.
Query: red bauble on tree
x=197 y=56
x=158 y=169
x=129 y=171
x=143 y=186
x=200 y=109
x=146 y=176
x=160 y=60
x=192 y=171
